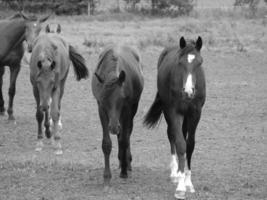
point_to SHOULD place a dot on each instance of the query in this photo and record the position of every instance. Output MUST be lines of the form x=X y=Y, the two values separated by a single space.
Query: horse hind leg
x=2 y=108
x=48 y=124
x=14 y=71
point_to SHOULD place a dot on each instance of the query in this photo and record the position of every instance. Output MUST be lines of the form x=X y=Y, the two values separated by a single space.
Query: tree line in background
x=77 y=7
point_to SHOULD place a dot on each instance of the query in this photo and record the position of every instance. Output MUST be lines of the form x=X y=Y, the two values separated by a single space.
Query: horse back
x=113 y=60
x=51 y=44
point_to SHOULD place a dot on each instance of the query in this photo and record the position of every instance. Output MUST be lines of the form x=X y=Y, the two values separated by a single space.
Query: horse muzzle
x=189 y=94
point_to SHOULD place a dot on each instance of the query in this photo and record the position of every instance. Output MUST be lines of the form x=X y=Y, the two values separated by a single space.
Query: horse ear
x=99 y=78
x=47 y=28
x=43 y=19
x=58 y=28
x=39 y=64
x=199 y=43
x=182 y=42
x=122 y=77
x=53 y=65
x=24 y=16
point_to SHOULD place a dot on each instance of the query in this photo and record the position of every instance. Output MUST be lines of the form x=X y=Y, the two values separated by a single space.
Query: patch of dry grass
x=222 y=34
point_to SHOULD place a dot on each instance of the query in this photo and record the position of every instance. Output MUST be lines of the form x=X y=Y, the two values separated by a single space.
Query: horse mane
x=19 y=15
x=109 y=83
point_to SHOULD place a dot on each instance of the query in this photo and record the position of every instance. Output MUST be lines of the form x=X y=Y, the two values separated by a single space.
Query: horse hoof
x=179 y=194
x=123 y=175
x=38 y=149
x=58 y=152
x=11 y=118
x=190 y=189
x=39 y=146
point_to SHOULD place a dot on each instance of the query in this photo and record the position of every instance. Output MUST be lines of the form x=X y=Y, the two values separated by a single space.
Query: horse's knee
x=106 y=146
x=55 y=115
x=39 y=115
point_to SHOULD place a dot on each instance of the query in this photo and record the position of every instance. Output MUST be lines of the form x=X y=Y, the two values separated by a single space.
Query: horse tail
x=78 y=62
x=153 y=116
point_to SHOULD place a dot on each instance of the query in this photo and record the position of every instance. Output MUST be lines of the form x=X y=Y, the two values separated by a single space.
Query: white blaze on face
x=189 y=85
x=49 y=101
x=190 y=58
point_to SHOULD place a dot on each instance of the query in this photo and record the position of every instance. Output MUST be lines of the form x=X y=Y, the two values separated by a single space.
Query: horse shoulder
x=163 y=54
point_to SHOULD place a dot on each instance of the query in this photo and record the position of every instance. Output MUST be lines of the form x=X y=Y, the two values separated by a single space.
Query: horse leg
x=173 y=163
x=39 y=118
x=14 y=71
x=123 y=146
x=180 y=144
x=106 y=143
x=48 y=124
x=55 y=113
x=130 y=129
x=190 y=145
x=2 y=107
x=60 y=126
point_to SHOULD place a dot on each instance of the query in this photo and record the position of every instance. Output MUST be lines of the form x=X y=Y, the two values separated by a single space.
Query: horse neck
x=16 y=31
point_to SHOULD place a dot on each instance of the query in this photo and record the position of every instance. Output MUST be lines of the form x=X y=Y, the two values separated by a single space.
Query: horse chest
x=13 y=57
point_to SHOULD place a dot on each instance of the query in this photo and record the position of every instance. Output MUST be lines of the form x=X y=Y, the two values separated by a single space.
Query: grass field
x=231 y=146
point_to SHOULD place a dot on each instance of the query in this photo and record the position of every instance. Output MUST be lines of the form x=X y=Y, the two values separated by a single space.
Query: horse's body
x=49 y=66
x=181 y=95
x=13 y=31
x=117 y=86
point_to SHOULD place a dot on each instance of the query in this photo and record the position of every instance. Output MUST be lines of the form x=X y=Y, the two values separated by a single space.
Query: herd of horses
x=117 y=85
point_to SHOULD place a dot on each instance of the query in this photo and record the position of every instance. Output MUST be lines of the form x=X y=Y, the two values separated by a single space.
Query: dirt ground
x=230 y=158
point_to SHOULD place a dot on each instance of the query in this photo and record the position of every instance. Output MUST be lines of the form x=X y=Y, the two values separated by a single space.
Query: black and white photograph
x=133 y=99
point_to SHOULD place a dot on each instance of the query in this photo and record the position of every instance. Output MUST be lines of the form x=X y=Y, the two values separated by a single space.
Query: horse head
x=46 y=77
x=189 y=60
x=113 y=95
x=33 y=26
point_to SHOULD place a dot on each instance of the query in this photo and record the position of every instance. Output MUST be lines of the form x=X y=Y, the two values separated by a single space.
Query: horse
x=53 y=28
x=49 y=66
x=117 y=85
x=13 y=32
x=180 y=97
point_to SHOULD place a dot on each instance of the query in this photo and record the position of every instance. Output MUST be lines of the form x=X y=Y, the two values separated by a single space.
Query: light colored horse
x=49 y=67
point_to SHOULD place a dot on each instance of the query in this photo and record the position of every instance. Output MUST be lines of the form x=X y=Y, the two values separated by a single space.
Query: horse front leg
x=2 y=107
x=175 y=122
x=14 y=71
x=124 y=146
x=39 y=118
x=106 y=144
x=190 y=145
x=55 y=115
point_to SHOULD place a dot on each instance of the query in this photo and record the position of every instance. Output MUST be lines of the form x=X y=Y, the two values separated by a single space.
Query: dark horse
x=180 y=97
x=13 y=31
x=49 y=66
x=117 y=85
